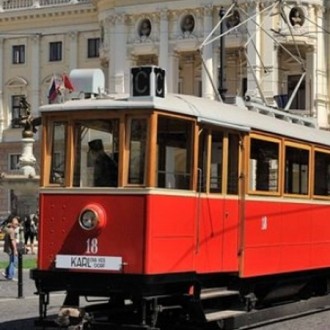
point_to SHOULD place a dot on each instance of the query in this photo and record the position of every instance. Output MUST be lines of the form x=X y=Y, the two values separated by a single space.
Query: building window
x=93 y=47
x=55 y=51
x=13 y=161
x=299 y=101
x=18 y=54
x=16 y=111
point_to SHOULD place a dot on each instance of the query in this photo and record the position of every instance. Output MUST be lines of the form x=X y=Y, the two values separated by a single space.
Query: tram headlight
x=92 y=217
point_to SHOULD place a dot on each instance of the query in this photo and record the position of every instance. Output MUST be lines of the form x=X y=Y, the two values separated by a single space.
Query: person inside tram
x=105 y=168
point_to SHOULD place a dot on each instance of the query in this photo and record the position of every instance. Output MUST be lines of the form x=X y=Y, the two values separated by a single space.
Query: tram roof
x=208 y=111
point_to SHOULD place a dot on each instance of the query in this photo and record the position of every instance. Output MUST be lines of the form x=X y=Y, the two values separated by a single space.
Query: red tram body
x=150 y=239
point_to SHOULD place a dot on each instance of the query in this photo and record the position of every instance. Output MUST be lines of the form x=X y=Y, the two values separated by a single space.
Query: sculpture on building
x=26 y=120
x=296 y=17
x=145 y=28
x=187 y=24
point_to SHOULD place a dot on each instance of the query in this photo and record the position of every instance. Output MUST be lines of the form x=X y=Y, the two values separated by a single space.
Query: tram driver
x=105 y=168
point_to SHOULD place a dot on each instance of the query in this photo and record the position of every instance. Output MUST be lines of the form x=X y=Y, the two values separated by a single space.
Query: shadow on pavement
x=26 y=324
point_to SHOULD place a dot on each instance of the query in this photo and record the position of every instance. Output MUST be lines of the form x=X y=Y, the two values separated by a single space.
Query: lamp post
x=222 y=76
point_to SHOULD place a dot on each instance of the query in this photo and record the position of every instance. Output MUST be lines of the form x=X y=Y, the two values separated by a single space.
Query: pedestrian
x=30 y=232
x=10 y=247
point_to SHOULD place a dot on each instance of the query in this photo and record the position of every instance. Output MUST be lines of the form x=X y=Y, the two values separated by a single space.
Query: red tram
x=205 y=194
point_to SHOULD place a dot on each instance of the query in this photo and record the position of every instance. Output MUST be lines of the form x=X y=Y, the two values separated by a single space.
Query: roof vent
x=147 y=81
x=87 y=82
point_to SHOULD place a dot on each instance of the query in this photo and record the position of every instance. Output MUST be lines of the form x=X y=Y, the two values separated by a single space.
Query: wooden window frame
x=128 y=122
x=320 y=150
x=280 y=174
x=299 y=145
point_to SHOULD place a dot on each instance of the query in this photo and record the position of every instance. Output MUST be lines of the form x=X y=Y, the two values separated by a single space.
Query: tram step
x=217 y=293
x=220 y=315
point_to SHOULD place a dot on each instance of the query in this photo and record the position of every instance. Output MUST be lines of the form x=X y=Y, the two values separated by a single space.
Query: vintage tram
x=206 y=195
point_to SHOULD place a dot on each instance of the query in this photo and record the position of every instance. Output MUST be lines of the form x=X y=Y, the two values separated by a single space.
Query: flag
x=67 y=83
x=53 y=90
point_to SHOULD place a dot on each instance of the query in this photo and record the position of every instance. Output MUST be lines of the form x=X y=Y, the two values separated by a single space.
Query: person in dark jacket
x=30 y=232
x=105 y=168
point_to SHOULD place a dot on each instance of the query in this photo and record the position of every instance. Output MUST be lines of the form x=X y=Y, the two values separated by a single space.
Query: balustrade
x=6 y=5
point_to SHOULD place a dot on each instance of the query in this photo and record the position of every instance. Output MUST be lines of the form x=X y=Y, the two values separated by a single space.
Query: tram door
x=219 y=212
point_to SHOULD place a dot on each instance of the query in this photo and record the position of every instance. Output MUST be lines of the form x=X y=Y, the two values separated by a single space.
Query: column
x=319 y=86
x=73 y=60
x=35 y=74
x=207 y=90
x=173 y=72
x=253 y=65
x=163 y=41
x=269 y=53
x=118 y=46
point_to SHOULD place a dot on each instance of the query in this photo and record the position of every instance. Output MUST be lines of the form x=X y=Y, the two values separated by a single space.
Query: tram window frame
x=96 y=151
x=232 y=146
x=301 y=193
x=173 y=151
x=211 y=163
x=230 y=161
x=58 y=177
x=142 y=154
x=272 y=174
x=321 y=175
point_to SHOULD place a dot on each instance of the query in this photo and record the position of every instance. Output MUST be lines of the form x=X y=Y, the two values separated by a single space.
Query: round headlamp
x=92 y=217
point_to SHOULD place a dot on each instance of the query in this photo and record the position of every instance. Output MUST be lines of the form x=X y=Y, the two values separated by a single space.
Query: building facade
x=272 y=50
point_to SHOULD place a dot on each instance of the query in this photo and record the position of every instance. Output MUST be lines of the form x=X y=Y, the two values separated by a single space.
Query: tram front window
x=174 y=153
x=57 y=174
x=96 y=153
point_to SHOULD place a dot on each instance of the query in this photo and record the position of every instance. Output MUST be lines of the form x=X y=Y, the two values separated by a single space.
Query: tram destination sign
x=88 y=262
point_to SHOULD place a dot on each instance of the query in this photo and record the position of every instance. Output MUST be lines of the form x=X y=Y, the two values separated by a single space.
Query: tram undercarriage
x=172 y=301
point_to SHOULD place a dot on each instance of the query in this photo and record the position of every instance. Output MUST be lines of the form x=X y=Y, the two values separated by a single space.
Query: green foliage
x=28 y=263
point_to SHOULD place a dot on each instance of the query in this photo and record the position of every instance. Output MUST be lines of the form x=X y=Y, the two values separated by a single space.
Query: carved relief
x=144 y=28
x=297 y=17
x=187 y=24
x=233 y=19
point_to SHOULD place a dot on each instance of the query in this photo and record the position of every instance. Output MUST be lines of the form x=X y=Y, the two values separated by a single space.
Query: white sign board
x=88 y=262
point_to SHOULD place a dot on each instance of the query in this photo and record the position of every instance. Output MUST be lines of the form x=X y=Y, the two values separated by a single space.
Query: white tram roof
x=208 y=111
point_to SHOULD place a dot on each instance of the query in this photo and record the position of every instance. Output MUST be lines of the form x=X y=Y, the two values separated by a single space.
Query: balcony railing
x=6 y=5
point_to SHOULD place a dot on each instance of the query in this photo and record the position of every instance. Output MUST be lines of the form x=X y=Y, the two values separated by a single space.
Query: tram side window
x=233 y=164
x=57 y=173
x=96 y=153
x=216 y=162
x=202 y=161
x=211 y=176
x=264 y=165
x=322 y=174
x=174 y=153
x=137 y=151
x=296 y=170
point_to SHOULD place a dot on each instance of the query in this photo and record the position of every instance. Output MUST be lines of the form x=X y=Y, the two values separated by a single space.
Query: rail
x=9 y=5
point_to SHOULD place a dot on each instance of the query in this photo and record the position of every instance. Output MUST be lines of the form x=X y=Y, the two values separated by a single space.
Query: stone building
x=272 y=50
